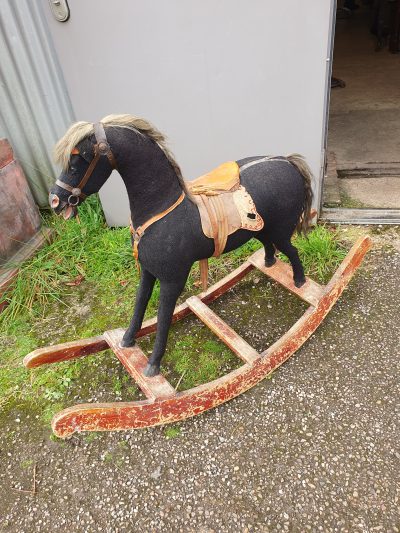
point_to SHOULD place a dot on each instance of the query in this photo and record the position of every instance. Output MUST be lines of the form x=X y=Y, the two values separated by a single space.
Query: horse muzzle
x=60 y=207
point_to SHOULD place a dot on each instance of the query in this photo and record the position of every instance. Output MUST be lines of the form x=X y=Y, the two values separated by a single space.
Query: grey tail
x=299 y=162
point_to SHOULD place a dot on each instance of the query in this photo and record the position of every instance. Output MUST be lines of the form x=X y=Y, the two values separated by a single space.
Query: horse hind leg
x=269 y=248
x=287 y=248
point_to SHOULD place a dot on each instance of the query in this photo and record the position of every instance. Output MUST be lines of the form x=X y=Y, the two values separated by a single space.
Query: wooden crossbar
x=311 y=292
x=135 y=362
x=238 y=345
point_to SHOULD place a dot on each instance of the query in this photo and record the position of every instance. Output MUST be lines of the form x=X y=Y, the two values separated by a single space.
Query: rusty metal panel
x=19 y=216
x=35 y=109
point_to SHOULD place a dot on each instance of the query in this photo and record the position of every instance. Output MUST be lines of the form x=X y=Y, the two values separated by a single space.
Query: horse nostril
x=53 y=200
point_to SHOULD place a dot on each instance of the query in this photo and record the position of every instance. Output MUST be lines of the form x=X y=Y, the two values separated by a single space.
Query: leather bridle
x=101 y=148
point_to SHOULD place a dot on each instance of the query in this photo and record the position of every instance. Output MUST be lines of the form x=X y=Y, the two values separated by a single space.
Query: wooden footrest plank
x=311 y=292
x=238 y=345
x=135 y=362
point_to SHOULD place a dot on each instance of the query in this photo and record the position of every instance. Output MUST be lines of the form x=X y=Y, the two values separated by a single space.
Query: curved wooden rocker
x=164 y=404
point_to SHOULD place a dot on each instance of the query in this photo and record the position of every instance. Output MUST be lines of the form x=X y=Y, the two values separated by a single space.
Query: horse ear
x=75 y=151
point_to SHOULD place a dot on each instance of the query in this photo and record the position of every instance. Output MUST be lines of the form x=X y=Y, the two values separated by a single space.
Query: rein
x=101 y=148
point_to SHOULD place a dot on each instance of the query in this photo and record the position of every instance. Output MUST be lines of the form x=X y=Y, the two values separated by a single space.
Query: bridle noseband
x=101 y=148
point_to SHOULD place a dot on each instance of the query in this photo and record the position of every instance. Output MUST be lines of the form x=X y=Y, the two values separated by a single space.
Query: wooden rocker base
x=163 y=404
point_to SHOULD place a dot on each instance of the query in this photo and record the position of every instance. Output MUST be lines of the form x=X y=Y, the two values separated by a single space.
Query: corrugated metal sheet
x=34 y=105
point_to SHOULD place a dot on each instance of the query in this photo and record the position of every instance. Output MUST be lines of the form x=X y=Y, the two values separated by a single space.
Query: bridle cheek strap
x=100 y=148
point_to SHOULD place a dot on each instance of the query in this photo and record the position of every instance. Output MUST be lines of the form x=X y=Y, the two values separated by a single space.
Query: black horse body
x=169 y=247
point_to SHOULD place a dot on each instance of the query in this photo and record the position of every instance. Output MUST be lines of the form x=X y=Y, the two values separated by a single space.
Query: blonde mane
x=80 y=130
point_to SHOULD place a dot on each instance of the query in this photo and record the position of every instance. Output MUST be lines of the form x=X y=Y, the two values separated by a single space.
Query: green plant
x=321 y=252
x=171 y=432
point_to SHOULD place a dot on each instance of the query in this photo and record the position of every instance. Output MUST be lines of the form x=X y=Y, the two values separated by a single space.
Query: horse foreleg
x=143 y=295
x=169 y=293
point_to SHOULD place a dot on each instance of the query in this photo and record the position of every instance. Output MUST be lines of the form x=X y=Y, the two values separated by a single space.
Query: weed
x=108 y=457
x=197 y=359
x=27 y=463
x=171 y=432
x=87 y=248
x=117 y=385
x=91 y=436
x=59 y=441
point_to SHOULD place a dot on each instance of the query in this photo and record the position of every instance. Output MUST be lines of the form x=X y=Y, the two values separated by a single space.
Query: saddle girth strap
x=204 y=273
x=218 y=220
x=138 y=232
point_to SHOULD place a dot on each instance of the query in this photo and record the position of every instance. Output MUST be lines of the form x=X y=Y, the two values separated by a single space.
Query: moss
x=351 y=203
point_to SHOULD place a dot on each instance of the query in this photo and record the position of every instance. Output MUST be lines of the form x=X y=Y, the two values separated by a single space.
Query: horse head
x=87 y=162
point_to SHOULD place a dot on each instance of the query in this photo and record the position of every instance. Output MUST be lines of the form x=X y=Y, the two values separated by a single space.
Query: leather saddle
x=224 y=206
x=220 y=180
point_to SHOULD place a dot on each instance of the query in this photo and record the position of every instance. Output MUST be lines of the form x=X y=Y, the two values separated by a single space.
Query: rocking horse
x=174 y=224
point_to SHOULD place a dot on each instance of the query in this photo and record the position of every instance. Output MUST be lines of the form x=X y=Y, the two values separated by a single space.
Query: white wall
x=224 y=79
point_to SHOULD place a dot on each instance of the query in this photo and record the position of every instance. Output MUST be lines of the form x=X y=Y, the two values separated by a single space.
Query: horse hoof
x=299 y=283
x=151 y=370
x=127 y=343
x=270 y=262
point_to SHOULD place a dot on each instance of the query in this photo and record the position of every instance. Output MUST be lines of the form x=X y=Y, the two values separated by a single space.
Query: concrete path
x=364 y=123
x=381 y=192
x=315 y=448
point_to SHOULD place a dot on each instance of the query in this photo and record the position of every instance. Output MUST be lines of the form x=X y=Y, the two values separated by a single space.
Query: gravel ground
x=314 y=448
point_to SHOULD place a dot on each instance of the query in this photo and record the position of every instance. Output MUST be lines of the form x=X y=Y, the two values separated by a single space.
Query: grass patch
x=80 y=251
x=196 y=360
x=83 y=283
x=321 y=252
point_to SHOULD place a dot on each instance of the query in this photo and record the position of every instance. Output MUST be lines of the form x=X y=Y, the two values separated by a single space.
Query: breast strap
x=138 y=232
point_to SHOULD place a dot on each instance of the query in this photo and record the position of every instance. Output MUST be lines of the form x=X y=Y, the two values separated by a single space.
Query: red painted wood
x=311 y=292
x=135 y=362
x=65 y=351
x=130 y=415
x=238 y=345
